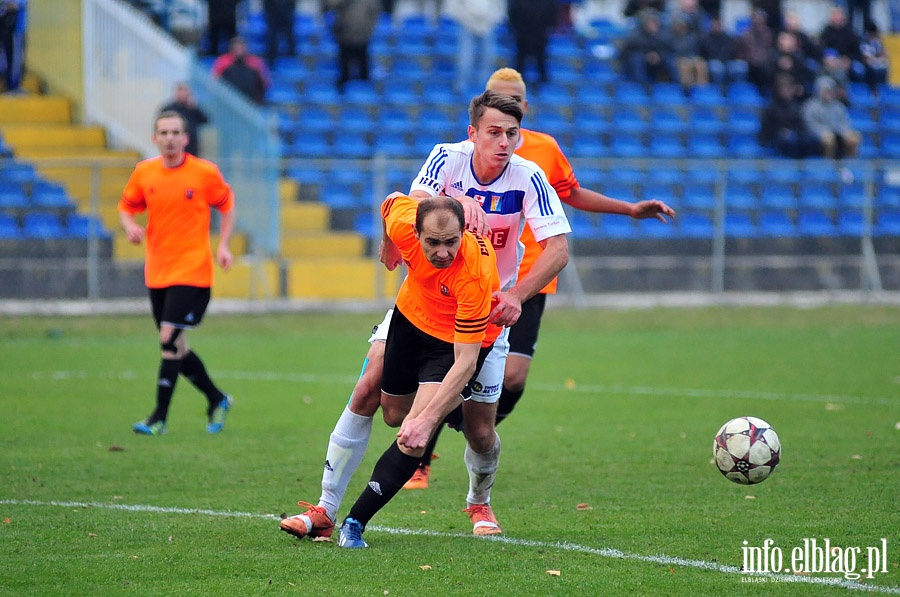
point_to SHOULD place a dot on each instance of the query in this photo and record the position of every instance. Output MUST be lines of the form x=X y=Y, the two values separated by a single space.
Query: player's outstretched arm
x=592 y=201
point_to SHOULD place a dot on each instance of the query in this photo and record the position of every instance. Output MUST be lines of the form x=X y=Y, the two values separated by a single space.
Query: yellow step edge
x=322 y=244
x=248 y=279
x=348 y=278
x=36 y=109
x=124 y=250
x=305 y=216
x=23 y=137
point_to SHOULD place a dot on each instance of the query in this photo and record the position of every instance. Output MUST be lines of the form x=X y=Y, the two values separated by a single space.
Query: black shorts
x=524 y=334
x=412 y=357
x=179 y=306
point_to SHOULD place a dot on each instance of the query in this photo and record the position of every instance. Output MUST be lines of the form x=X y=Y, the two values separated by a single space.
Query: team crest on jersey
x=499 y=237
x=457 y=186
x=444 y=290
x=495 y=203
x=189 y=194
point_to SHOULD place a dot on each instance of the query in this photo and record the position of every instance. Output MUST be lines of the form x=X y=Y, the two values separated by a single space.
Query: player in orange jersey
x=178 y=191
x=439 y=337
x=542 y=149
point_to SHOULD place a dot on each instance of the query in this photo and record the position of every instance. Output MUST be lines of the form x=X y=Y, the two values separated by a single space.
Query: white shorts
x=489 y=383
x=379 y=332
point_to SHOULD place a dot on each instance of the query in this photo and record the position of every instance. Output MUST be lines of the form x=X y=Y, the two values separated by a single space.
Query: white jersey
x=521 y=193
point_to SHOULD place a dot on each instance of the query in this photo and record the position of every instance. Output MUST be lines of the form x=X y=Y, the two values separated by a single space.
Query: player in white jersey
x=499 y=192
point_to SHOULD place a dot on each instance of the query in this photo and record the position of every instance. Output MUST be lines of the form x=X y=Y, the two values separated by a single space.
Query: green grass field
x=606 y=485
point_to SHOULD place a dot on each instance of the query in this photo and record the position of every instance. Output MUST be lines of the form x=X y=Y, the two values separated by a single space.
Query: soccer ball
x=747 y=450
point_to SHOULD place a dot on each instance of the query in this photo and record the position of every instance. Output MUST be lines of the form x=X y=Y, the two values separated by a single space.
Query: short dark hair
x=491 y=99
x=438 y=203
x=170 y=114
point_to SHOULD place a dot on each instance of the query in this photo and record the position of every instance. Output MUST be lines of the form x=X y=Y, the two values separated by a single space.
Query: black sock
x=392 y=470
x=165 y=386
x=429 y=449
x=507 y=403
x=195 y=372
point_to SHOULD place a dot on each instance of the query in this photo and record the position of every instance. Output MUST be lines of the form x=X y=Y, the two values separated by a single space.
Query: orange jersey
x=543 y=150
x=453 y=303
x=178 y=202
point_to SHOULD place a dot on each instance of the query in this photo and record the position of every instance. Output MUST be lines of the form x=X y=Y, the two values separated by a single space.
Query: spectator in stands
x=222 y=23
x=245 y=71
x=812 y=53
x=859 y=14
x=478 y=20
x=781 y=124
x=839 y=36
x=635 y=8
x=719 y=49
x=828 y=119
x=755 y=47
x=689 y=12
x=531 y=22
x=691 y=66
x=788 y=59
x=874 y=57
x=279 y=26
x=9 y=23
x=774 y=13
x=184 y=103
x=837 y=69
x=354 y=23
x=646 y=51
x=712 y=8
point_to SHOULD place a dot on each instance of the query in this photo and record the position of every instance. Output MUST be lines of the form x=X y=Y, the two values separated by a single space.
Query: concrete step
x=248 y=279
x=126 y=251
x=64 y=138
x=340 y=278
x=309 y=244
x=35 y=109
x=297 y=216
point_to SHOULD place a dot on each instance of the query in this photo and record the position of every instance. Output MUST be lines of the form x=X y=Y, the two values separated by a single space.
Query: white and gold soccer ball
x=747 y=450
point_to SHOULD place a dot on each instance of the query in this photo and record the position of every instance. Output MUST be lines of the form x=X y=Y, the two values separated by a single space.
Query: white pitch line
x=605 y=552
x=282 y=377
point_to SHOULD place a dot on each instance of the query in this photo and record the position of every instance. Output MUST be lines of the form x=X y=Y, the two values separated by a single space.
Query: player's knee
x=515 y=374
x=365 y=399
x=170 y=344
x=393 y=415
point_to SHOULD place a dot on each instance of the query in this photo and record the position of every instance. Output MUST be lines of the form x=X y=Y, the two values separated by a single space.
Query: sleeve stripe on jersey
x=471 y=326
x=543 y=195
x=222 y=200
x=132 y=203
x=566 y=186
x=436 y=163
x=386 y=207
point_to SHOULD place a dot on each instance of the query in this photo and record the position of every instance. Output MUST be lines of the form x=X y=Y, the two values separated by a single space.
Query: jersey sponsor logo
x=481 y=245
x=487 y=390
x=499 y=237
x=508 y=202
x=430 y=183
x=444 y=290
x=457 y=186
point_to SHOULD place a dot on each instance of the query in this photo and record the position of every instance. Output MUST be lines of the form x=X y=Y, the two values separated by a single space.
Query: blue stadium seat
x=401 y=97
x=670 y=95
x=699 y=196
x=850 y=223
x=342 y=197
x=361 y=93
x=778 y=196
x=309 y=145
x=588 y=146
x=13 y=196
x=395 y=147
x=746 y=174
x=695 y=226
x=744 y=122
x=815 y=223
x=351 y=146
x=629 y=93
x=784 y=172
x=582 y=223
x=614 y=226
x=82 y=226
x=860 y=96
x=744 y=146
x=591 y=124
x=742 y=93
x=18 y=172
x=819 y=170
x=307 y=175
x=700 y=173
x=818 y=196
x=668 y=121
x=862 y=120
x=655 y=190
x=50 y=195
x=704 y=146
x=667 y=146
x=42 y=225
x=708 y=97
x=741 y=196
x=283 y=93
x=706 y=122
x=629 y=120
x=890 y=145
x=852 y=196
x=668 y=175
x=776 y=224
x=9 y=228
x=314 y=119
x=629 y=146
x=887 y=196
x=355 y=120
x=739 y=225
x=887 y=223
x=653 y=228
x=394 y=121
x=626 y=175
x=616 y=190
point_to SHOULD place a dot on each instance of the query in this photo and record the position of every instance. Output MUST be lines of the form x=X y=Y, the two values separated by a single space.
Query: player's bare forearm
x=592 y=201
x=547 y=266
x=134 y=232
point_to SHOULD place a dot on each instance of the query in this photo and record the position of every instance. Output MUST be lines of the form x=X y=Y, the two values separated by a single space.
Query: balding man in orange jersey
x=178 y=192
x=439 y=336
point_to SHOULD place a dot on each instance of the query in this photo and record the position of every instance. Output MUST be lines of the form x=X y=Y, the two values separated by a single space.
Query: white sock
x=346 y=449
x=482 y=472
